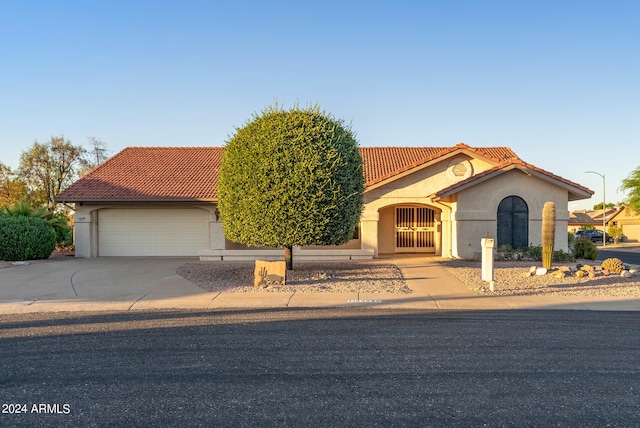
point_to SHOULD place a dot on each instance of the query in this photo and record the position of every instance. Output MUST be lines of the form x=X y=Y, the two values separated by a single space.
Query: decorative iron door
x=415 y=230
x=513 y=222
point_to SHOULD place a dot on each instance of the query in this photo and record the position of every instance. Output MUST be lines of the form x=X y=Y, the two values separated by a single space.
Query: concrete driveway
x=97 y=284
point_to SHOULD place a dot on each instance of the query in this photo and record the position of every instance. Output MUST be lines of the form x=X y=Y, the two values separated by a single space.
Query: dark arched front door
x=513 y=222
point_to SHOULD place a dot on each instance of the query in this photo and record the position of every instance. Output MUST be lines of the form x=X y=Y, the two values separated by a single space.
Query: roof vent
x=459 y=169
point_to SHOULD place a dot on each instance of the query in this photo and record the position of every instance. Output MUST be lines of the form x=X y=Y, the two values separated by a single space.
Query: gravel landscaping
x=380 y=276
x=512 y=278
x=372 y=276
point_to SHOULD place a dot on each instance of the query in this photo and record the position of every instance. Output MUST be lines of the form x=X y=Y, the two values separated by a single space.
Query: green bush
x=583 y=248
x=533 y=252
x=58 y=221
x=26 y=238
x=64 y=232
x=561 y=256
x=291 y=178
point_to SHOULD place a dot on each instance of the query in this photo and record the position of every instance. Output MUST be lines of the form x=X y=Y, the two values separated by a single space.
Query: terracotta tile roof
x=151 y=174
x=381 y=163
x=191 y=173
x=579 y=191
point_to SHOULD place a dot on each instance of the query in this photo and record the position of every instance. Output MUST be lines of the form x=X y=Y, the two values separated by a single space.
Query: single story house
x=581 y=219
x=629 y=221
x=162 y=201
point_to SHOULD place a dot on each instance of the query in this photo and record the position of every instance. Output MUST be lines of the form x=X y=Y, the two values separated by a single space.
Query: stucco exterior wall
x=416 y=188
x=475 y=213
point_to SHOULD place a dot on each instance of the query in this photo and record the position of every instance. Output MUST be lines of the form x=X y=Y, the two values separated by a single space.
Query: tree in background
x=609 y=205
x=12 y=188
x=51 y=167
x=615 y=233
x=632 y=185
x=291 y=178
x=94 y=156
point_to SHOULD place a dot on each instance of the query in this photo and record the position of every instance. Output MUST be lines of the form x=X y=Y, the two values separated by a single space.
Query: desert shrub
x=583 y=248
x=533 y=252
x=561 y=256
x=504 y=252
x=26 y=238
x=504 y=248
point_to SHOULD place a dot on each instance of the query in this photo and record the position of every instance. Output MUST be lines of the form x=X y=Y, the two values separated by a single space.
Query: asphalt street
x=330 y=367
x=628 y=256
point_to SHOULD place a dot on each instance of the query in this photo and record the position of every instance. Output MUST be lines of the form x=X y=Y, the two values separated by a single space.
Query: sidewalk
x=148 y=284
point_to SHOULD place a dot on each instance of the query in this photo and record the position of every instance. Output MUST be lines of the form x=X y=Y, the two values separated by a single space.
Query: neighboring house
x=161 y=201
x=580 y=219
x=629 y=220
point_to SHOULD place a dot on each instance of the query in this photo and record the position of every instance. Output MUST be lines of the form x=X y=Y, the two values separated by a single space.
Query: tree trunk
x=288 y=257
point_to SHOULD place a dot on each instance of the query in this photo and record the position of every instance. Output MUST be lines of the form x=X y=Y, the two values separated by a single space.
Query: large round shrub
x=291 y=178
x=26 y=238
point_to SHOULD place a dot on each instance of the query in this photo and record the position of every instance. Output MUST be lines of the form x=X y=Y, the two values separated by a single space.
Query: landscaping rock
x=626 y=274
x=580 y=274
x=558 y=274
x=541 y=271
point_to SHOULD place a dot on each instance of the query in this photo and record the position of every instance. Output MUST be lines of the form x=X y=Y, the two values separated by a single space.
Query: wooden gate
x=415 y=230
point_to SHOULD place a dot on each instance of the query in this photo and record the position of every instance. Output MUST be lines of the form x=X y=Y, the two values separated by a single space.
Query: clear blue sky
x=557 y=81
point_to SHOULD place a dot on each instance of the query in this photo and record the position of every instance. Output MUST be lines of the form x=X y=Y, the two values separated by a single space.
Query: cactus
x=613 y=265
x=548 y=233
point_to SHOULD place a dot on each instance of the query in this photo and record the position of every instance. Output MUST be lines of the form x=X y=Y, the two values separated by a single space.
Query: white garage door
x=152 y=232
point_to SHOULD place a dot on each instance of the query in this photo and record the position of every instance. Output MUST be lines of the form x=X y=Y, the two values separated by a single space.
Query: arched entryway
x=415 y=229
x=513 y=222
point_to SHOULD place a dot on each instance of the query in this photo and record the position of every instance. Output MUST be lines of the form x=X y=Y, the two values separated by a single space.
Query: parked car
x=593 y=234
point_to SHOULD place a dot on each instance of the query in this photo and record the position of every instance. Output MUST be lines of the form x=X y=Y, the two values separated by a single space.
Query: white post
x=487 y=261
x=604 y=206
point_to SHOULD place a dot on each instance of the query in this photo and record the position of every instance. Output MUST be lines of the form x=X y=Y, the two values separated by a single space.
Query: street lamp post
x=604 y=207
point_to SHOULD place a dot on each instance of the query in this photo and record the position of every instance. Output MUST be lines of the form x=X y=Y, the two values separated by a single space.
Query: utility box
x=487 y=245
